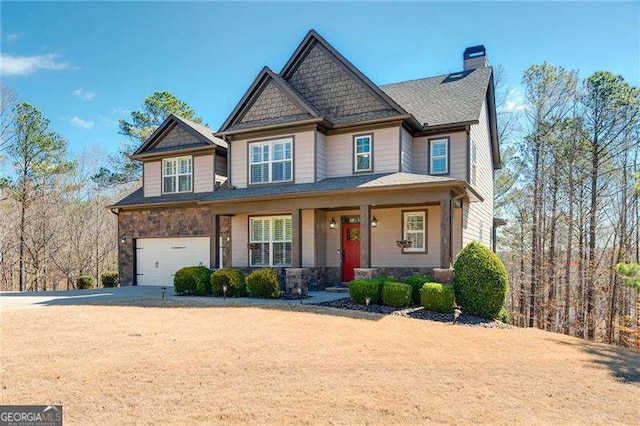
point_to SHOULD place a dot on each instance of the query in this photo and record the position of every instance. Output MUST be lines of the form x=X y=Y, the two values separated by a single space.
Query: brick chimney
x=475 y=57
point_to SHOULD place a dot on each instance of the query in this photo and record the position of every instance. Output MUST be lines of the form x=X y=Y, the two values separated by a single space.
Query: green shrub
x=361 y=288
x=480 y=281
x=234 y=279
x=416 y=282
x=110 y=279
x=85 y=282
x=437 y=297
x=264 y=283
x=504 y=315
x=194 y=280
x=396 y=294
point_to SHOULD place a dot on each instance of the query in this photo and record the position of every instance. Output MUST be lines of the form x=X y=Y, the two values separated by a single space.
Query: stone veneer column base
x=367 y=273
x=442 y=275
x=297 y=278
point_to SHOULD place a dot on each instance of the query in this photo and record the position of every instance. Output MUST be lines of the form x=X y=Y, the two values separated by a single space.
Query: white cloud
x=22 y=65
x=86 y=95
x=121 y=111
x=514 y=101
x=79 y=122
x=13 y=37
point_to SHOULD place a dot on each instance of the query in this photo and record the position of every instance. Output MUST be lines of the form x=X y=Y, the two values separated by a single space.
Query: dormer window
x=362 y=149
x=439 y=156
x=176 y=175
x=271 y=161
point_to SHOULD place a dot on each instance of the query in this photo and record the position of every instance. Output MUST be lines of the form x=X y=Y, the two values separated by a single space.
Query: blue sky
x=85 y=65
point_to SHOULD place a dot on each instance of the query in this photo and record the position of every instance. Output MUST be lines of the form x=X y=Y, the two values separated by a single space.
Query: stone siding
x=165 y=222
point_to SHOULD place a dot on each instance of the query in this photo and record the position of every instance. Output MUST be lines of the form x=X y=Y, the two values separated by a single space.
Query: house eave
x=171 y=153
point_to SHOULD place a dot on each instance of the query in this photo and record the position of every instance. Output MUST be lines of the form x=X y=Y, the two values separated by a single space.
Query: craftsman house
x=321 y=173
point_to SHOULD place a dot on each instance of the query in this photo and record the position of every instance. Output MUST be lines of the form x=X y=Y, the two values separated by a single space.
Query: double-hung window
x=415 y=225
x=270 y=241
x=176 y=175
x=439 y=156
x=271 y=161
x=362 y=147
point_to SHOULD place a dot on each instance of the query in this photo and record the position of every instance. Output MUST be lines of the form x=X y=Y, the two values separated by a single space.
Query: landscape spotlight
x=163 y=290
x=456 y=313
x=224 y=292
x=367 y=301
x=299 y=290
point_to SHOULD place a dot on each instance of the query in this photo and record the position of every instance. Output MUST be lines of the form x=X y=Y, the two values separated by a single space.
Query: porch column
x=445 y=233
x=296 y=238
x=213 y=241
x=365 y=236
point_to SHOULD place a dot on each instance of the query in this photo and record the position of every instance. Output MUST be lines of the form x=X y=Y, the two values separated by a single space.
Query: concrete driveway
x=33 y=299
x=129 y=295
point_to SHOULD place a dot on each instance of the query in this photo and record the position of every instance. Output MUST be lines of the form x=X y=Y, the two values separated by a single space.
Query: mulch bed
x=415 y=312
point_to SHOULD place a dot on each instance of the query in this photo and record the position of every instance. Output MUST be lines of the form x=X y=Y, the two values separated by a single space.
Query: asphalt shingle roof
x=332 y=184
x=444 y=99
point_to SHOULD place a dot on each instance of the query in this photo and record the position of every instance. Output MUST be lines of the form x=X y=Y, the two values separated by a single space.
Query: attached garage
x=158 y=259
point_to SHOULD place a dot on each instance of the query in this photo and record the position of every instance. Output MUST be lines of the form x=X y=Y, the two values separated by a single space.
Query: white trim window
x=415 y=230
x=271 y=161
x=362 y=147
x=439 y=156
x=270 y=241
x=177 y=174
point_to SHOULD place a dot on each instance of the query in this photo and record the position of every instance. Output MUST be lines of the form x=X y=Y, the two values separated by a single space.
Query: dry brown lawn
x=118 y=364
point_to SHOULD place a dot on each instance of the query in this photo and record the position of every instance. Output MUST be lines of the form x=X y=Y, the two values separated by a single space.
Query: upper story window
x=415 y=230
x=271 y=161
x=176 y=175
x=362 y=153
x=439 y=156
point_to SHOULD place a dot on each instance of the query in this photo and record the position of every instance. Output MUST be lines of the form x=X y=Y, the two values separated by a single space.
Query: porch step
x=337 y=289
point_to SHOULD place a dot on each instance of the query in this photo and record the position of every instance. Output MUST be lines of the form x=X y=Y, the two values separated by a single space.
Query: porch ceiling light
x=332 y=224
x=374 y=222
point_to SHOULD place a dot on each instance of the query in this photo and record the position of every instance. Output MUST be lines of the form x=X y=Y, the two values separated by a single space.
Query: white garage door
x=158 y=259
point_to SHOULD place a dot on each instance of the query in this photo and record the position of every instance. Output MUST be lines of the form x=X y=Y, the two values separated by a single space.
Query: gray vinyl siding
x=152 y=178
x=457 y=154
x=203 y=174
x=321 y=156
x=475 y=213
x=406 y=151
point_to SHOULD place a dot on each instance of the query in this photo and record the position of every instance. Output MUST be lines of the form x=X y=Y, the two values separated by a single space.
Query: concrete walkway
x=131 y=295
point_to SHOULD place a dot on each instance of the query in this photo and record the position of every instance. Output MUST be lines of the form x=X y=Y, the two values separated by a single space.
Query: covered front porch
x=327 y=239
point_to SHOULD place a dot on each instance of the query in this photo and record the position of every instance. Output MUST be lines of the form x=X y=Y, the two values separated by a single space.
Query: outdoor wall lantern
x=123 y=238
x=374 y=222
x=332 y=224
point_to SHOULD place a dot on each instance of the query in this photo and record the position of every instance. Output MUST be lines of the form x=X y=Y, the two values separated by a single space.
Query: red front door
x=350 y=250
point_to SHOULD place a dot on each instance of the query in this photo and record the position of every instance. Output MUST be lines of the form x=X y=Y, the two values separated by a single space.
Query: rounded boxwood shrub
x=85 y=282
x=234 y=279
x=264 y=283
x=480 y=281
x=361 y=288
x=437 y=297
x=396 y=294
x=110 y=279
x=194 y=280
x=416 y=282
